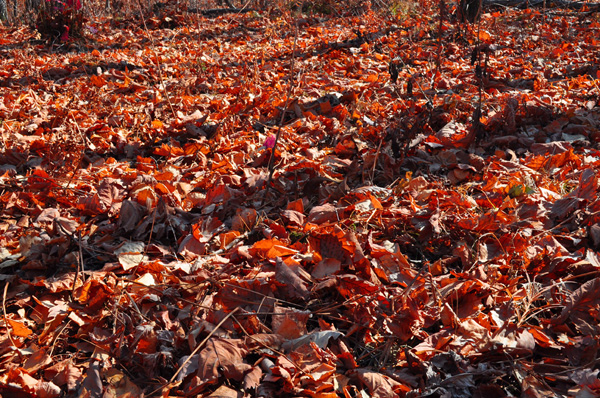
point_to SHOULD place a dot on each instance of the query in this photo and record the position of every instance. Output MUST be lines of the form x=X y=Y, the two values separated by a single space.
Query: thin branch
x=287 y=100
x=158 y=63
x=376 y=159
x=57 y=336
x=8 y=333
x=199 y=346
x=79 y=266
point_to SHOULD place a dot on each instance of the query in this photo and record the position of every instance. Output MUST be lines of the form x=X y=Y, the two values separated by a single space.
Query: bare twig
x=429 y=100
x=8 y=333
x=79 y=266
x=81 y=157
x=57 y=336
x=376 y=158
x=287 y=100
x=137 y=309
x=199 y=346
x=268 y=347
x=442 y=6
x=158 y=63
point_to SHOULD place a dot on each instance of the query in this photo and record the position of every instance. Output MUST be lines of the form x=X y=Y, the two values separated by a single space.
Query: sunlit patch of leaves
x=394 y=254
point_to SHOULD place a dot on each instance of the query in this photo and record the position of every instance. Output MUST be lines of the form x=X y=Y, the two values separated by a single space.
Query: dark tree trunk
x=3 y=11
x=32 y=5
x=470 y=10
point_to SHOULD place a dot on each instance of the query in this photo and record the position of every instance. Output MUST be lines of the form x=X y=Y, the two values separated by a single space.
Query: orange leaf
x=325 y=107
x=193 y=147
x=372 y=78
x=167 y=150
x=375 y=202
x=349 y=96
x=97 y=81
x=18 y=329
x=164 y=188
x=228 y=237
x=164 y=176
x=297 y=205
x=145 y=164
x=280 y=251
x=485 y=36
x=126 y=82
x=271 y=248
x=146 y=195
x=542 y=338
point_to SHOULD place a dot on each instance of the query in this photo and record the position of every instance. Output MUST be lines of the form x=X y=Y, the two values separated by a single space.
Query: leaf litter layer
x=432 y=232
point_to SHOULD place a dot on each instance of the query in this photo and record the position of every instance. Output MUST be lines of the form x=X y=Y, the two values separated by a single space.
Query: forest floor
x=427 y=227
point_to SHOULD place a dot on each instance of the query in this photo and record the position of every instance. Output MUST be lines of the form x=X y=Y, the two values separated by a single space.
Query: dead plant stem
x=80 y=267
x=268 y=347
x=375 y=161
x=271 y=166
x=8 y=332
x=158 y=63
x=199 y=346
x=58 y=336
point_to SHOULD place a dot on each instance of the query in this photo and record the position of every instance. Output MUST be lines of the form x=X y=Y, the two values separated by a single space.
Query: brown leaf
x=130 y=215
x=288 y=322
x=225 y=354
x=326 y=267
x=92 y=383
x=252 y=378
x=292 y=217
x=64 y=374
x=588 y=185
x=378 y=385
x=47 y=390
x=580 y=302
x=534 y=387
x=120 y=385
x=109 y=191
x=525 y=340
x=296 y=287
x=262 y=340
x=323 y=214
x=225 y=392
x=191 y=248
x=244 y=220
x=37 y=360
